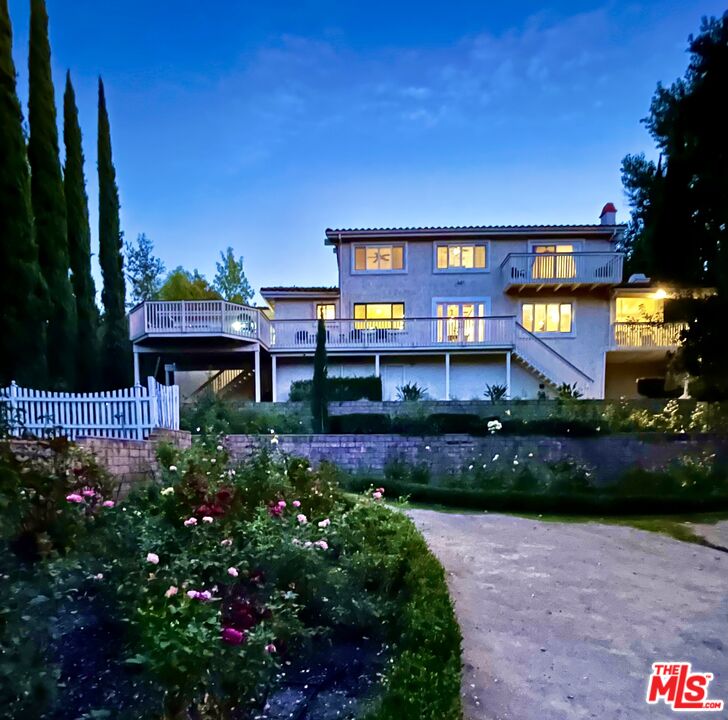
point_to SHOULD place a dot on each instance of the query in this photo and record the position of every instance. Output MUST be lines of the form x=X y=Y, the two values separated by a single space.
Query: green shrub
x=360 y=424
x=411 y=392
x=340 y=389
x=447 y=423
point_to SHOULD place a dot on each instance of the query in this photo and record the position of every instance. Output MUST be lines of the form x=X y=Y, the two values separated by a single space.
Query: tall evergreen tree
x=49 y=205
x=116 y=349
x=22 y=316
x=319 y=399
x=79 y=246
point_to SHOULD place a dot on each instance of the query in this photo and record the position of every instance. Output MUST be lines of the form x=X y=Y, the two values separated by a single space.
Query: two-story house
x=451 y=309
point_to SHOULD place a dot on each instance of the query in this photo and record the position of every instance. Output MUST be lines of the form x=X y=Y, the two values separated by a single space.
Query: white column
x=257 y=375
x=508 y=375
x=274 y=376
x=447 y=376
x=376 y=365
x=136 y=368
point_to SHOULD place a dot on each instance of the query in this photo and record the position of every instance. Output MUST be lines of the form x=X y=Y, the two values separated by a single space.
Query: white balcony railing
x=198 y=317
x=577 y=268
x=648 y=335
x=404 y=333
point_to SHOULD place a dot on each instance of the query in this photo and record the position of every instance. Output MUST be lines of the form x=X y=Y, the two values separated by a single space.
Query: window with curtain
x=551 y=266
x=547 y=317
x=325 y=311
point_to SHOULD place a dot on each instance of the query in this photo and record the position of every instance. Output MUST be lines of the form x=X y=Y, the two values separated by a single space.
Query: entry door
x=461 y=322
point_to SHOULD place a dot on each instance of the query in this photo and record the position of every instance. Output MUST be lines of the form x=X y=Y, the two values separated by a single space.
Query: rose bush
x=212 y=580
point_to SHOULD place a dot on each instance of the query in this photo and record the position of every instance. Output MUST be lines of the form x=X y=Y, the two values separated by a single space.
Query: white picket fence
x=130 y=413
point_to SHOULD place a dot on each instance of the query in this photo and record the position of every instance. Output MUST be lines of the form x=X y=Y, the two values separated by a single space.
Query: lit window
x=558 y=262
x=379 y=316
x=378 y=258
x=462 y=257
x=547 y=317
x=639 y=309
x=326 y=311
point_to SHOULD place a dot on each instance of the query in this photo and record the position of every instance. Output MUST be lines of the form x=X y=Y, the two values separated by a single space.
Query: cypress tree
x=49 y=205
x=22 y=325
x=116 y=350
x=319 y=404
x=79 y=245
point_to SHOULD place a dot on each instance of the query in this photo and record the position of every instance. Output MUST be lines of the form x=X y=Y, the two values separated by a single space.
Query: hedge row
x=460 y=423
x=594 y=504
x=338 y=389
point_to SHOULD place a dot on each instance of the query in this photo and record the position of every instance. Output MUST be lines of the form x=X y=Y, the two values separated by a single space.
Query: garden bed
x=228 y=591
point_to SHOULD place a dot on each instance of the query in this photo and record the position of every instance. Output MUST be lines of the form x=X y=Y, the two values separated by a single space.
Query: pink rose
x=233 y=572
x=270 y=648
x=207 y=519
x=324 y=523
x=302 y=519
x=190 y=521
x=377 y=495
x=282 y=503
x=171 y=590
x=232 y=636
x=108 y=503
x=296 y=503
x=153 y=558
x=88 y=492
x=322 y=544
x=74 y=498
x=227 y=542
x=380 y=490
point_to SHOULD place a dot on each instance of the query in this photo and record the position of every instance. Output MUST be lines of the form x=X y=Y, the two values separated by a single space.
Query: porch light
x=660 y=294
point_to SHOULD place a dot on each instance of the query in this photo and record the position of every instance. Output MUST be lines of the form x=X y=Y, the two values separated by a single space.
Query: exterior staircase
x=222 y=383
x=546 y=363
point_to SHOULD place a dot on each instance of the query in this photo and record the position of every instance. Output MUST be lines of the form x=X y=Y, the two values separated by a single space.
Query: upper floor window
x=379 y=258
x=325 y=311
x=557 y=261
x=462 y=256
x=547 y=317
x=379 y=316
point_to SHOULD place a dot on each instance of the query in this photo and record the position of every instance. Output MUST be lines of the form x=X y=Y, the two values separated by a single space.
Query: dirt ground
x=562 y=621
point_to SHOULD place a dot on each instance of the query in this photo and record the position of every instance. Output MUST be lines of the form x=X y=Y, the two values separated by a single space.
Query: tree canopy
x=182 y=284
x=230 y=280
x=143 y=269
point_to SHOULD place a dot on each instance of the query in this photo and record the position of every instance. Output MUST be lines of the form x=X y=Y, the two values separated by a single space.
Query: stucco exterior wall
x=302 y=309
x=621 y=377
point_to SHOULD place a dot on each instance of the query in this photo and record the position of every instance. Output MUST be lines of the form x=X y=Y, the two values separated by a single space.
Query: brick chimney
x=609 y=215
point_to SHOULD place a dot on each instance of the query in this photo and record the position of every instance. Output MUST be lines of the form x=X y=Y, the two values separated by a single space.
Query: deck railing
x=398 y=333
x=594 y=268
x=197 y=317
x=648 y=335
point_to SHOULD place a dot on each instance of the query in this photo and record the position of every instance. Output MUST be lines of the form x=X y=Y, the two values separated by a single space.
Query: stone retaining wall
x=609 y=455
x=129 y=461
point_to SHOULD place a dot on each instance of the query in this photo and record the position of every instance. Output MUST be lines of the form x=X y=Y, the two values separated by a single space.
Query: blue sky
x=258 y=125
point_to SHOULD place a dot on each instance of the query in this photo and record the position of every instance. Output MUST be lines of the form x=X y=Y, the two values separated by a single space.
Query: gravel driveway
x=562 y=621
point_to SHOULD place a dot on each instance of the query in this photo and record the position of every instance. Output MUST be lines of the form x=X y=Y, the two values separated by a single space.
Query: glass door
x=551 y=266
x=460 y=322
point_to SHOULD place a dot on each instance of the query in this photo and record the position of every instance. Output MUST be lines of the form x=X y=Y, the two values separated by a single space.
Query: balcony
x=191 y=318
x=646 y=336
x=404 y=334
x=557 y=270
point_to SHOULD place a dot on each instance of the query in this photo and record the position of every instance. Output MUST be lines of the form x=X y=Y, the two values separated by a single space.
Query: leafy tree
x=143 y=269
x=182 y=284
x=319 y=400
x=116 y=349
x=49 y=204
x=79 y=246
x=679 y=227
x=230 y=280
x=22 y=318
